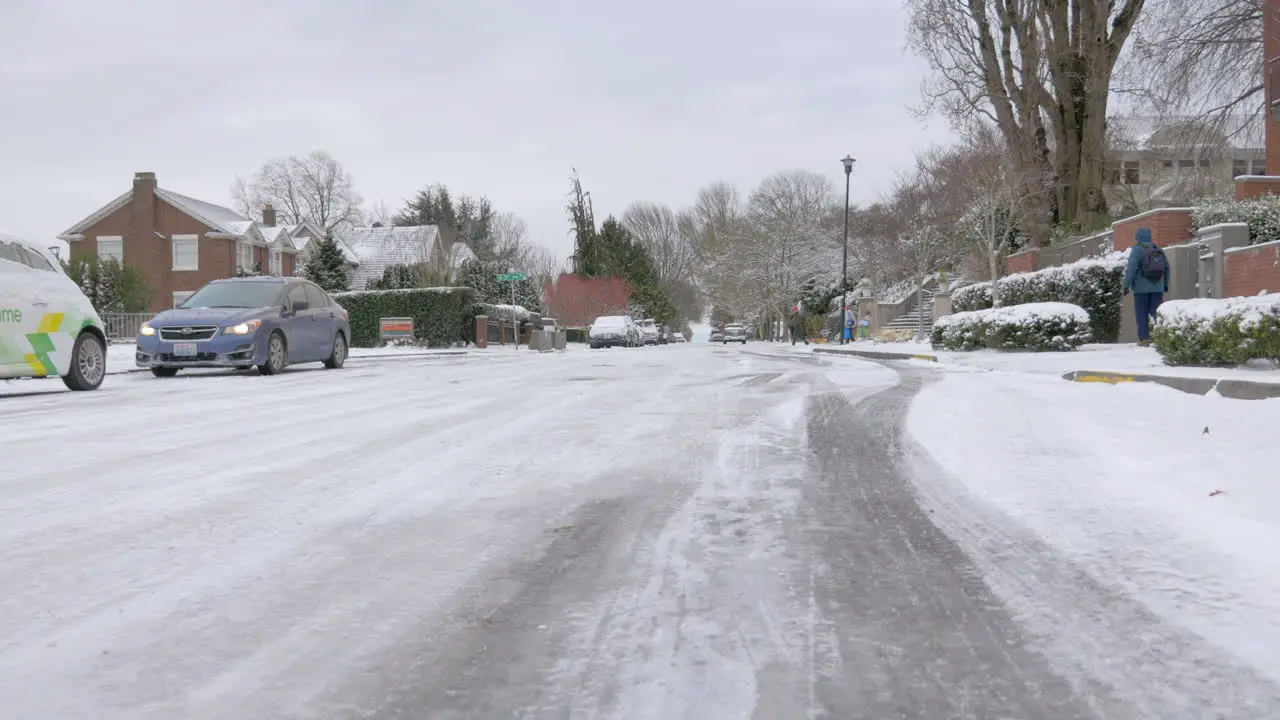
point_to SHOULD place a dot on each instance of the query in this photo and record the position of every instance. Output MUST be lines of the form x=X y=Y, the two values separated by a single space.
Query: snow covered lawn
x=1123 y=481
x=120 y=356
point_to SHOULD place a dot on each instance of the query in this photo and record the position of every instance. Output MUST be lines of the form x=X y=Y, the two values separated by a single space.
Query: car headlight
x=244 y=328
x=146 y=329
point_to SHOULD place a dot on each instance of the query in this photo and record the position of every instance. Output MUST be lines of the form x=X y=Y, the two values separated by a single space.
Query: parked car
x=648 y=331
x=613 y=331
x=678 y=337
x=717 y=336
x=733 y=332
x=267 y=322
x=48 y=328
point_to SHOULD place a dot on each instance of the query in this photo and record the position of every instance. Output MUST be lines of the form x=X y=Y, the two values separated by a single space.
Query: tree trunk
x=993 y=257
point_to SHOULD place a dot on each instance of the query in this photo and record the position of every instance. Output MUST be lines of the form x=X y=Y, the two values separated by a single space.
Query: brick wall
x=1025 y=261
x=1169 y=226
x=1252 y=186
x=1251 y=270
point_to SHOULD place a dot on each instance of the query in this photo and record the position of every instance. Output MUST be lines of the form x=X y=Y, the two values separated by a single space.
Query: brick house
x=180 y=243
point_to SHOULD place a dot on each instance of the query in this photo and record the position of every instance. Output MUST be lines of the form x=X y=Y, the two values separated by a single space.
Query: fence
x=123 y=327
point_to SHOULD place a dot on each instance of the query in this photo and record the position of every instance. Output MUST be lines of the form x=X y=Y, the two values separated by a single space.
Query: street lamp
x=844 y=264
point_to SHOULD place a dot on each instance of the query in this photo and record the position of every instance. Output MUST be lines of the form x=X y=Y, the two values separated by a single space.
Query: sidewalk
x=1121 y=363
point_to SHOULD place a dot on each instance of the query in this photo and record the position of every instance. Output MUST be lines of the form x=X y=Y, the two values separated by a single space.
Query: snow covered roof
x=220 y=219
x=1239 y=131
x=376 y=248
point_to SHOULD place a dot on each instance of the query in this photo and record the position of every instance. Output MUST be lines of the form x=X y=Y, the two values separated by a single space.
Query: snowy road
x=677 y=532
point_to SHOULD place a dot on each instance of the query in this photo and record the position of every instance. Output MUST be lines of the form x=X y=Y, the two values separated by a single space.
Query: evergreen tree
x=482 y=276
x=327 y=267
x=471 y=217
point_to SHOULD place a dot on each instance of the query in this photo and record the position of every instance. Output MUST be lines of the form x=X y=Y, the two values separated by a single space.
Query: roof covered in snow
x=1244 y=131
x=376 y=248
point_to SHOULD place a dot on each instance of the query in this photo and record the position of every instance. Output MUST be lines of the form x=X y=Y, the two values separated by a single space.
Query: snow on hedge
x=1261 y=214
x=1092 y=283
x=1218 y=332
x=1029 y=326
x=362 y=293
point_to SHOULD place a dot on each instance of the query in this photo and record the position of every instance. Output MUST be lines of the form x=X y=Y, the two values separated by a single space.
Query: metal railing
x=123 y=327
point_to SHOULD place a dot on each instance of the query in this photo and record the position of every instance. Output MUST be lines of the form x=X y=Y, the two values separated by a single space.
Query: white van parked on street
x=48 y=328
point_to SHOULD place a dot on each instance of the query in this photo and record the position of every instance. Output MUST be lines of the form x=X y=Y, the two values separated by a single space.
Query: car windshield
x=610 y=322
x=235 y=295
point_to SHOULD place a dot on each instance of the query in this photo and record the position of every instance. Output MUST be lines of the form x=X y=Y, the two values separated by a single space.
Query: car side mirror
x=301 y=305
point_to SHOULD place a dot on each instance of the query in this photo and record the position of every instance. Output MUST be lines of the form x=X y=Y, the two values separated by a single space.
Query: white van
x=48 y=328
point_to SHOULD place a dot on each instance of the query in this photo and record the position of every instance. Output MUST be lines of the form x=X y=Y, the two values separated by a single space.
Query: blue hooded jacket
x=1133 y=277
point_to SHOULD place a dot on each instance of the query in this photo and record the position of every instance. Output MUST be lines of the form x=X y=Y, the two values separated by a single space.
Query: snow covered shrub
x=1218 y=332
x=1093 y=284
x=1261 y=214
x=1030 y=326
x=439 y=314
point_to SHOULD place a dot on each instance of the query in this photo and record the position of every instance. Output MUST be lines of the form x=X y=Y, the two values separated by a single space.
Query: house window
x=1132 y=174
x=186 y=252
x=182 y=296
x=277 y=263
x=111 y=247
x=1186 y=164
x=244 y=256
x=1168 y=163
x=1259 y=167
x=1239 y=167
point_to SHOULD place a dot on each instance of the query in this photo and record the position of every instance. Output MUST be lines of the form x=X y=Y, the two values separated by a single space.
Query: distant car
x=649 y=332
x=267 y=322
x=613 y=331
x=717 y=336
x=678 y=338
x=48 y=328
x=734 y=332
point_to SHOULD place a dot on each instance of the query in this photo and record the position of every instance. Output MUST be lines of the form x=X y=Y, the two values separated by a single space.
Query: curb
x=380 y=356
x=874 y=355
x=1226 y=387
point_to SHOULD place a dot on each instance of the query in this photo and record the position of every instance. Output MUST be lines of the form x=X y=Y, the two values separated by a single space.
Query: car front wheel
x=276 y=355
x=88 y=363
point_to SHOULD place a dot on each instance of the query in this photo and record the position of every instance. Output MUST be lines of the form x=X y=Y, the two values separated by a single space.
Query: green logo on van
x=10 y=315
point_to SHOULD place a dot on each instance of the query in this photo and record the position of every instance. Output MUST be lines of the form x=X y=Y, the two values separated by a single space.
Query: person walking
x=1147 y=277
x=798 y=327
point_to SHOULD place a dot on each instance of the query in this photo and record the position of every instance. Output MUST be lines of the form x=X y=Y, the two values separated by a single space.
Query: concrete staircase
x=910 y=322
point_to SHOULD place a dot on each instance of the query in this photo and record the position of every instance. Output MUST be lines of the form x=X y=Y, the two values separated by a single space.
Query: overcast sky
x=649 y=101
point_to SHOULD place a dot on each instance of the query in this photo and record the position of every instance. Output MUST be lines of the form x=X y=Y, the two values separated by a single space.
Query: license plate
x=185 y=349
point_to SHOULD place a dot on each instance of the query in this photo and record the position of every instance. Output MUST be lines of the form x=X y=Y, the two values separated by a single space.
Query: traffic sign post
x=513 y=278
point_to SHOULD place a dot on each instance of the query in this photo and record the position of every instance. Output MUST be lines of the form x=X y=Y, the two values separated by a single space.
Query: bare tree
x=380 y=215
x=668 y=237
x=313 y=187
x=1199 y=57
x=997 y=199
x=1041 y=71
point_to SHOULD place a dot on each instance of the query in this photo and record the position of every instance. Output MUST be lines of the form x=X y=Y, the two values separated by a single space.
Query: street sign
x=513 y=277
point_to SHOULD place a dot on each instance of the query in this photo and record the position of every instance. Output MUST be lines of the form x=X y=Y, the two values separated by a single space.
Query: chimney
x=142 y=215
x=268 y=215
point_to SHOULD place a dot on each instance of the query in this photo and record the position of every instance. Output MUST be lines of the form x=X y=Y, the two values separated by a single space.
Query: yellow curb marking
x=1109 y=379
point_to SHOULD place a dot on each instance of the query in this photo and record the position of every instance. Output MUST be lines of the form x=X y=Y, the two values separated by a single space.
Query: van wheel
x=164 y=372
x=88 y=363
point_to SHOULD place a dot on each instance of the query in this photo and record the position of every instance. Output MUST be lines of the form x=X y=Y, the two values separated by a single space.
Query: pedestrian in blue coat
x=1147 y=277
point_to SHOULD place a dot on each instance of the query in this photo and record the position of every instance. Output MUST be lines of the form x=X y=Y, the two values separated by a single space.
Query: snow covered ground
x=1167 y=499
x=722 y=533
x=1102 y=357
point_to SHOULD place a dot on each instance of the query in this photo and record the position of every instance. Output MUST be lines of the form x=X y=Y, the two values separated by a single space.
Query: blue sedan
x=268 y=322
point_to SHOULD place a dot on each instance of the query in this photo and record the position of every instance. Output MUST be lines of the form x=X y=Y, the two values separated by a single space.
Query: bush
x=1031 y=326
x=1261 y=214
x=1222 y=333
x=438 y=314
x=1094 y=284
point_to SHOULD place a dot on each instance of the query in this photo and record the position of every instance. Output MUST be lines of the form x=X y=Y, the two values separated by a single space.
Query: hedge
x=1218 y=332
x=1031 y=326
x=1261 y=214
x=1094 y=284
x=439 y=314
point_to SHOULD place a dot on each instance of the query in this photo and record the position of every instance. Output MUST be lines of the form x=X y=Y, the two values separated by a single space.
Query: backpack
x=1154 y=264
